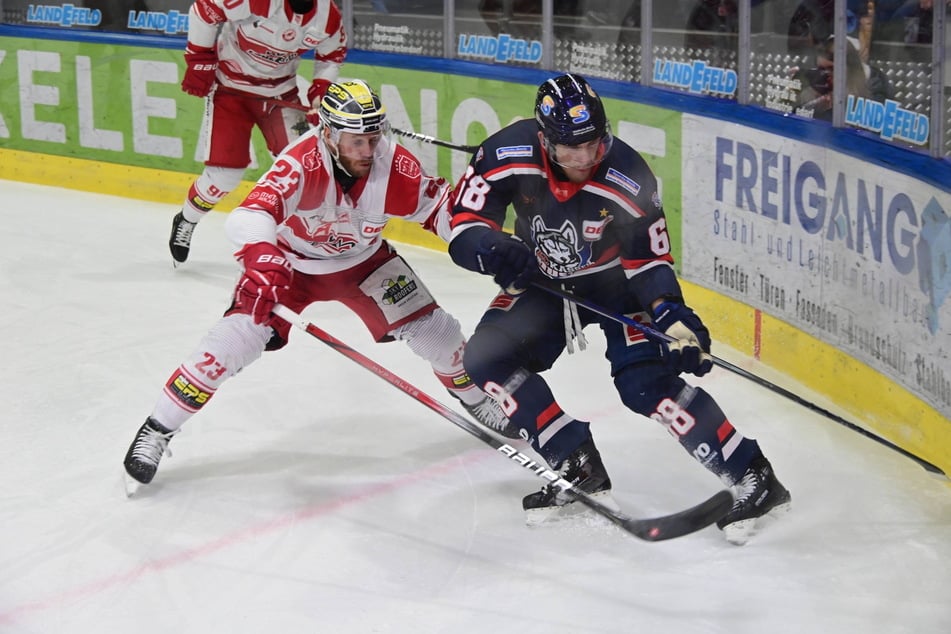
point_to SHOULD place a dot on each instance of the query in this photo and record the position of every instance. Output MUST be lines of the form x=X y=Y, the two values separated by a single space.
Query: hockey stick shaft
x=425 y=138
x=655 y=529
x=656 y=334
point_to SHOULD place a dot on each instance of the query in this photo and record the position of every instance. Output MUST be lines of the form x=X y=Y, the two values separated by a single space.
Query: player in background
x=310 y=231
x=589 y=220
x=239 y=54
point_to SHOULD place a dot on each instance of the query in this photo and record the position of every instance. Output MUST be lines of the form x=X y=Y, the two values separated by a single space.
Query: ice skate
x=759 y=495
x=145 y=452
x=179 y=243
x=586 y=472
x=488 y=412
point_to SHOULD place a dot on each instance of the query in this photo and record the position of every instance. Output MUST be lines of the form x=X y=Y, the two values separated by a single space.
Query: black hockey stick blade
x=683 y=523
x=654 y=529
x=657 y=529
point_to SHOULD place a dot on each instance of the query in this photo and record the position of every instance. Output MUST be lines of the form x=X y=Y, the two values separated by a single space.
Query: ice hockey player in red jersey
x=589 y=220
x=239 y=54
x=310 y=231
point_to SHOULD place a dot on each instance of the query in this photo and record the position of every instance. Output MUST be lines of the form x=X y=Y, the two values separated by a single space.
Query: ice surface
x=311 y=496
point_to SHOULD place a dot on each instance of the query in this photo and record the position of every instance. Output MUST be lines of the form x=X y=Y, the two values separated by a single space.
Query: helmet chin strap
x=334 y=150
x=339 y=165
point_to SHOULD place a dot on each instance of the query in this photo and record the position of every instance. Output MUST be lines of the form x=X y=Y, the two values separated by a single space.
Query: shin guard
x=701 y=427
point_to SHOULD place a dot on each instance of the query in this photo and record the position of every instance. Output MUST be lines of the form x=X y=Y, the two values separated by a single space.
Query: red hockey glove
x=690 y=350
x=314 y=94
x=508 y=260
x=317 y=91
x=267 y=276
x=200 y=66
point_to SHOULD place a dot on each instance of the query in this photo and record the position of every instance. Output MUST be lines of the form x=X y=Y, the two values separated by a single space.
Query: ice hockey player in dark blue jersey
x=589 y=220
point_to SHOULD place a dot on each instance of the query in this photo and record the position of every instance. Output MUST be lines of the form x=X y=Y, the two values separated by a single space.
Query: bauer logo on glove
x=200 y=66
x=267 y=277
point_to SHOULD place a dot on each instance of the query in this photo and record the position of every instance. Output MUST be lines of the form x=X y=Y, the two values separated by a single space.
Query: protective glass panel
x=946 y=88
x=695 y=44
x=598 y=38
x=887 y=64
x=152 y=17
x=500 y=31
x=896 y=46
x=409 y=27
x=784 y=74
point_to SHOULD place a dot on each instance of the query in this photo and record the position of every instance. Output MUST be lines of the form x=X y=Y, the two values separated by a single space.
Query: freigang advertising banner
x=854 y=255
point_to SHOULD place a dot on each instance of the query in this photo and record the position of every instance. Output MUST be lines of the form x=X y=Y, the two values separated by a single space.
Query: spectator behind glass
x=709 y=21
x=862 y=80
x=523 y=18
x=813 y=22
x=911 y=23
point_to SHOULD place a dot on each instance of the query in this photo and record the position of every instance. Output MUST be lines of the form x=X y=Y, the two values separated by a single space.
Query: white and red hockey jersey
x=324 y=229
x=260 y=42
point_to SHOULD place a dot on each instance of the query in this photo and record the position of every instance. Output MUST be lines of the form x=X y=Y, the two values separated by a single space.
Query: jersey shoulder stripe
x=511 y=169
x=615 y=196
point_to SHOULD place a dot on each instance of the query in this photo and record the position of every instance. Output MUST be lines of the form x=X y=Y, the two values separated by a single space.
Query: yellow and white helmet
x=352 y=106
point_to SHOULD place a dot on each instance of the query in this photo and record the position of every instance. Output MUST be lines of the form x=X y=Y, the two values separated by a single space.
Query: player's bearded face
x=357 y=151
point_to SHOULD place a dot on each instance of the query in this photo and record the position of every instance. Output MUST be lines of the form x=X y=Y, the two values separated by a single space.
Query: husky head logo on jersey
x=557 y=249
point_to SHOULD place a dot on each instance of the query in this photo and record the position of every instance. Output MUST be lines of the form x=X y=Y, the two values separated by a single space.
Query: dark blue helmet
x=569 y=111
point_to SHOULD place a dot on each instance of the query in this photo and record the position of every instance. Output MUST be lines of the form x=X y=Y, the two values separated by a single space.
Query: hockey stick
x=653 y=529
x=425 y=138
x=657 y=335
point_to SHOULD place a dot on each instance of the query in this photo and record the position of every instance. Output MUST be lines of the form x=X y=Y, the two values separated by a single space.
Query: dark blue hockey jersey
x=592 y=235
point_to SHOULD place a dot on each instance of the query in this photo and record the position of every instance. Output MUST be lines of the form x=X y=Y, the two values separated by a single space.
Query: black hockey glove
x=508 y=260
x=690 y=350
